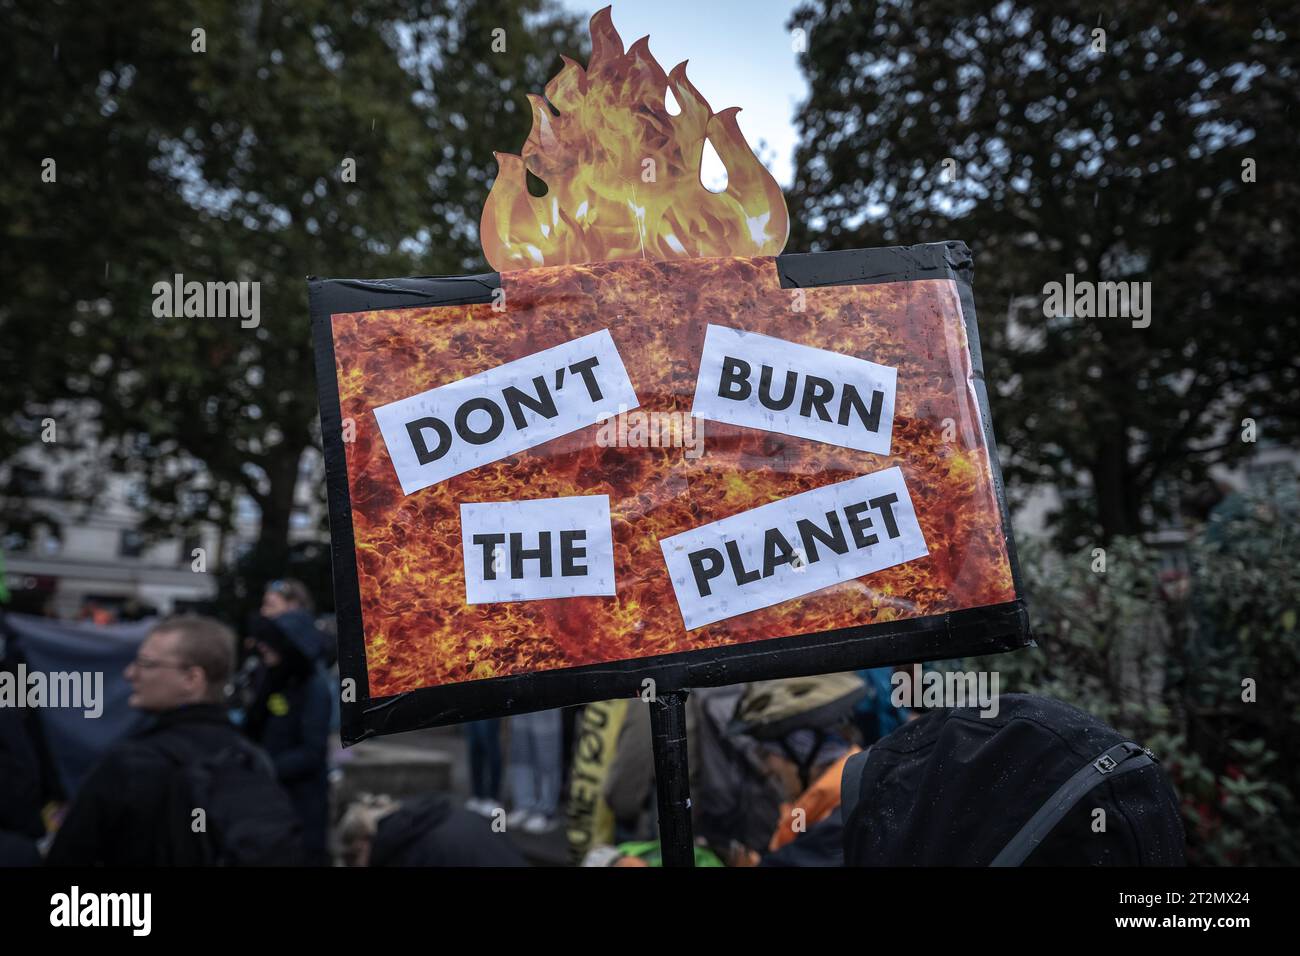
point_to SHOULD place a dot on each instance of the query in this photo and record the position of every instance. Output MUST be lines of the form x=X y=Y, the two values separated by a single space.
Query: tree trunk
x=1118 y=502
x=271 y=555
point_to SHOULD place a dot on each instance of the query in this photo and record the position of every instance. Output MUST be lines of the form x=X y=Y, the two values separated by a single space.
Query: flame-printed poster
x=776 y=506
x=651 y=447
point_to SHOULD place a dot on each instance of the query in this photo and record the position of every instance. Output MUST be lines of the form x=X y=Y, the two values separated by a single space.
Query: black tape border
x=983 y=630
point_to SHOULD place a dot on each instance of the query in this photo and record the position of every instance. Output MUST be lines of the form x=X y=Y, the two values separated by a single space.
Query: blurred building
x=68 y=557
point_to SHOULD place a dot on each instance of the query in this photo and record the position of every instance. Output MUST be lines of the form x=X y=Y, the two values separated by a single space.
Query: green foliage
x=1115 y=164
x=1099 y=645
x=1164 y=660
x=227 y=165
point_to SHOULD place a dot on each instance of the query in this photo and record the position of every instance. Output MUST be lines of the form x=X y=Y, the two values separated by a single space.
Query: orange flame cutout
x=623 y=174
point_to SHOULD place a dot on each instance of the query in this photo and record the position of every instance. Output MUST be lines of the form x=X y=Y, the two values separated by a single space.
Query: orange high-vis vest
x=817 y=803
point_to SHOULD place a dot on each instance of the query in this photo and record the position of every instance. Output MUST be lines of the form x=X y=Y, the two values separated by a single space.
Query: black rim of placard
x=968 y=632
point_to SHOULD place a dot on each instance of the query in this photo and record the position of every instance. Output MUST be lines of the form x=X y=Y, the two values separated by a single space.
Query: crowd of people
x=233 y=768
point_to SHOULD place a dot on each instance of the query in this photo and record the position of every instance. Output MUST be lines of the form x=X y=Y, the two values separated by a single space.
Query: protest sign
x=649 y=451
x=844 y=508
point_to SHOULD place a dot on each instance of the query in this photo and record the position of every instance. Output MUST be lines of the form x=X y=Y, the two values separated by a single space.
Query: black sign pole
x=672 y=777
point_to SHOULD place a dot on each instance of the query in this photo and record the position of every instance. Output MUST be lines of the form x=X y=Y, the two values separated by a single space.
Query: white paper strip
x=537 y=549
x=759 y=381
x=454 y=428
x=793 y=547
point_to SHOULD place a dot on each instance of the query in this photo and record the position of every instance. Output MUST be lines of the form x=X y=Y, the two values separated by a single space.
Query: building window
x=16 y=541
x=188 y=546
x=132 y=543
x=26 y=482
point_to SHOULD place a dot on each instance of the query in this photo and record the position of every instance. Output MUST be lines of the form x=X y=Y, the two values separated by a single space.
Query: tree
x=1141 y=145
x=1202 y=669
x=252 y=142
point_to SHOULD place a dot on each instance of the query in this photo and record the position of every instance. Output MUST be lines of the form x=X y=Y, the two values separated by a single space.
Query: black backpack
x=952 y=788
x=248 y=818
x=731 y=797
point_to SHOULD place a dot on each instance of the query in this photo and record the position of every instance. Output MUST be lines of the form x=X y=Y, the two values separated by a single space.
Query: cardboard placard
x=549 y=486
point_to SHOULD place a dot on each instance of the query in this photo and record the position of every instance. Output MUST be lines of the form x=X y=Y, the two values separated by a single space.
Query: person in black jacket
x=288 y=602
x=290 y=719
x=20 y=793
x=121 y=815
x=424 y=831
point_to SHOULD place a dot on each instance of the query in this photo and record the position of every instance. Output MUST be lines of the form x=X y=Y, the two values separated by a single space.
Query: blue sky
x=741 y=54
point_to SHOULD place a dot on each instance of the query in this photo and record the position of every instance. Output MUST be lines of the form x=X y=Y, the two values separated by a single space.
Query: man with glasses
x=123 y=813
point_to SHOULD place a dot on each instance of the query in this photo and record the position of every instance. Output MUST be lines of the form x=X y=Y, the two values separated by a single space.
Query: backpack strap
x=185 y=762
x=1119 y=759
x=851 y=783
x=184 y=849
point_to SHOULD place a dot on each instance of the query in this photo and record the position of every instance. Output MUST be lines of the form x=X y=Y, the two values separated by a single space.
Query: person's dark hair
x=291 y=589
x=294 y=661
x=204 y=643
